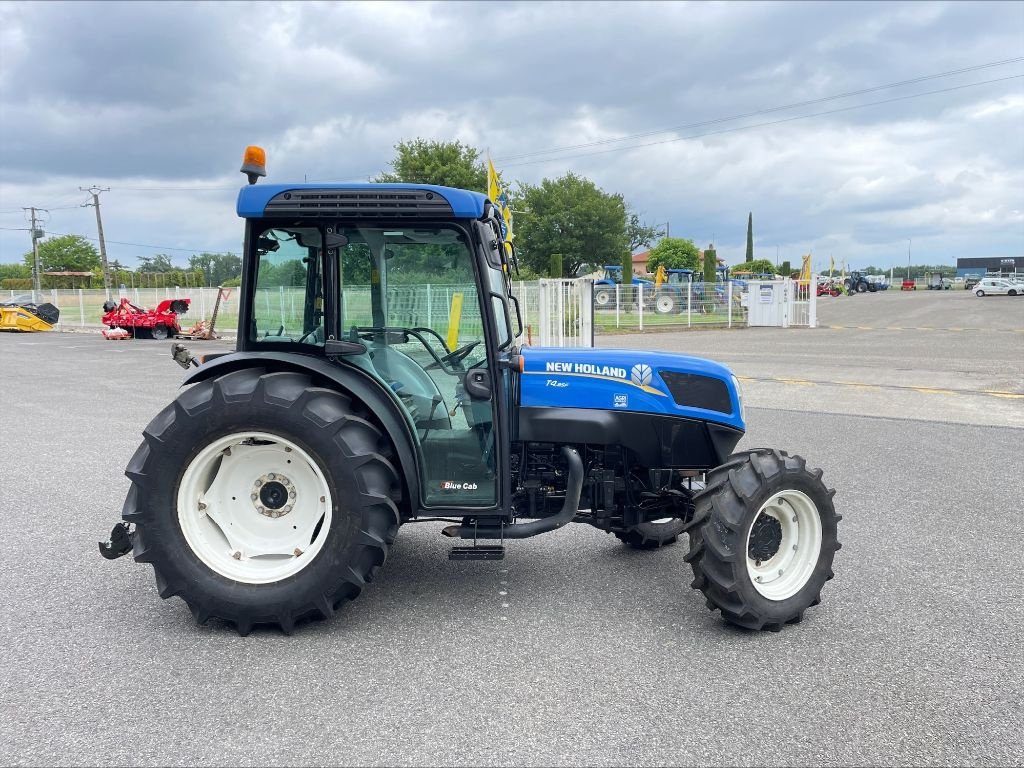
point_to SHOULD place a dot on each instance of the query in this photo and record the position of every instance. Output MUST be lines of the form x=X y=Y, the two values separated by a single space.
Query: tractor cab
x=404 y=285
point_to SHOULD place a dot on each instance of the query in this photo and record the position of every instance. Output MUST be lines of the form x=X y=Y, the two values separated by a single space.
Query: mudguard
x=348 y=379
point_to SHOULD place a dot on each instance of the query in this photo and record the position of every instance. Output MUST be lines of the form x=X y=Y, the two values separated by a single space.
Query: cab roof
x=253 y=199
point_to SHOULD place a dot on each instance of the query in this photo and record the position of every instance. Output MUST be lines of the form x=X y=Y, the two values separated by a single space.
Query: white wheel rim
x=665 y=304
x=261 y=540
x=786 y=571
x=603 y=297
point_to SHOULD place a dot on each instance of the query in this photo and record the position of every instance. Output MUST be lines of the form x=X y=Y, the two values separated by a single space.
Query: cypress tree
x=710 y=264
x=750 y=236
x=556 y=265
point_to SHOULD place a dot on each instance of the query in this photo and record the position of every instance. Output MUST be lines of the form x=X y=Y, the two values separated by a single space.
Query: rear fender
x=346 y=379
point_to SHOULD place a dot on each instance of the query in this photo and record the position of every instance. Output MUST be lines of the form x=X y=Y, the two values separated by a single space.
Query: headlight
x=739 y=398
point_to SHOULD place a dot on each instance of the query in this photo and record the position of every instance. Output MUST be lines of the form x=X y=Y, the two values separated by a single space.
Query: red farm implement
x=160 y=323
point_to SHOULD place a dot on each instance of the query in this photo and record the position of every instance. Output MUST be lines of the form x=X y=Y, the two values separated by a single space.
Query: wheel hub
x=765 y=538
x=273 y=495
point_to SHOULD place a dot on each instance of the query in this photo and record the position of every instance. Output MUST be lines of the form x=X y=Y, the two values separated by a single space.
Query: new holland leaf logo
x=641 y=375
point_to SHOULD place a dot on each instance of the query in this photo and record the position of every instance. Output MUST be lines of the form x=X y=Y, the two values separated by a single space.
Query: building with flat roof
x=988 y=265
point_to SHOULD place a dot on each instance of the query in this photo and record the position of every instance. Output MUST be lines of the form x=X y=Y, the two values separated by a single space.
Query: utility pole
x=36 y=234
x=908 y=258
x=95 y=192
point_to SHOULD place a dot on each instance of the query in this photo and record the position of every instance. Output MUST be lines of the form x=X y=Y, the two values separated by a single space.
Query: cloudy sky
x=666 y=103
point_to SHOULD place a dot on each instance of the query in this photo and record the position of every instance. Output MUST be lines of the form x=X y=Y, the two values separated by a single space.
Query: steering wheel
x=455 y=357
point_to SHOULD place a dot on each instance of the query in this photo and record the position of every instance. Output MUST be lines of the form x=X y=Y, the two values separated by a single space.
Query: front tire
x=603 y=297
x=159 y=332
x=979 y=292
x=322 y=520
x=765 y=547
x=653 y=534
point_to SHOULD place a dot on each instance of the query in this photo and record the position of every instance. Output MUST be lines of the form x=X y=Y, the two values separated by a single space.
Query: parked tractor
x=272 y=489
x=160 y=323
x=857 y=282
x=605 y=288
x=677 y=288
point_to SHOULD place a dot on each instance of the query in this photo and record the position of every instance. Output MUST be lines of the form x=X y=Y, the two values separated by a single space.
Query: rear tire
x=159 y=332
x=665 y=304
x=765 y=546
x=192 y=505
x=979 y=292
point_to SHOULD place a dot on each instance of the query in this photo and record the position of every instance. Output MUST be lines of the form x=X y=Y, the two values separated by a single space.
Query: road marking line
x=860 y=385
x=1008 y=395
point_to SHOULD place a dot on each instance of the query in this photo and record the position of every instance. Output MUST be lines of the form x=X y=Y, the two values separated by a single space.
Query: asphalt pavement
x=574 y=650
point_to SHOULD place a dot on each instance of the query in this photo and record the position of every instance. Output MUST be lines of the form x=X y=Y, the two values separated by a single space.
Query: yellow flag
x=493 y=191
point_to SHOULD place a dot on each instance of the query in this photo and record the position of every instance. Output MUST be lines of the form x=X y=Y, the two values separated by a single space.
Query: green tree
x=216 y=267
x=572 y=216
x=674 y=253
x=759 y=267
x=750 y=236
x=67 y=253
x=556 y=265
x=448 y=163
x=710 y=265
x=161 y=262
x=640 y=235
x=15 y=271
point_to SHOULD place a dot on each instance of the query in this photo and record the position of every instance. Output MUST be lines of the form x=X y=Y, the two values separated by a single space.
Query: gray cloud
x=163 y=96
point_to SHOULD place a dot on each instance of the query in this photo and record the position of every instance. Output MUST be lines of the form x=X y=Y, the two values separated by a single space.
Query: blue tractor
x=270 y=491
x=605 y=293
x=675 y=289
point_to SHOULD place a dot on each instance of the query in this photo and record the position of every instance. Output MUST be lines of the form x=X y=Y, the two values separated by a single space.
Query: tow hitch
x=120 y=542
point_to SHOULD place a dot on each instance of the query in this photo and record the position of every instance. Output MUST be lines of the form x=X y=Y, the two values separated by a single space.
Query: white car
x=995 y=285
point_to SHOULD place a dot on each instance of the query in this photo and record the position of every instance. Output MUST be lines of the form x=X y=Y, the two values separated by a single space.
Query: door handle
x=477 y=384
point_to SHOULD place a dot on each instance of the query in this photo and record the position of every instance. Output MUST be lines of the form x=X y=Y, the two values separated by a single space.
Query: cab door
x=411 y=293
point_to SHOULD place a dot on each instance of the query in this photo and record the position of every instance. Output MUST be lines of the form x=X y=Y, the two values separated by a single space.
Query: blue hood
x=640 y=381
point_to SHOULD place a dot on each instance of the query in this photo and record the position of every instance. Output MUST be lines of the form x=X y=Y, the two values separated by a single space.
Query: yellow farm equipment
x=27 y=316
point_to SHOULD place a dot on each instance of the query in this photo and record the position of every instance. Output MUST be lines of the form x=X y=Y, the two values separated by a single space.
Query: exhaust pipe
x=571 y=505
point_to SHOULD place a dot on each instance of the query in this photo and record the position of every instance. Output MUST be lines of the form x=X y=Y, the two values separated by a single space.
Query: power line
x=173 y=189
x=762 y=125
x=140 y=245
x=767 y=110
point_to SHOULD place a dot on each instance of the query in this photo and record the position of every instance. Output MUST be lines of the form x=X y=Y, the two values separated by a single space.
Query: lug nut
x=323 y=499
x=259 y=483
x=297 y=552
x=288 y=508
x=271 y=476
x=202 y=506
x=291 y=495
x=253 y=496
x=261 y=510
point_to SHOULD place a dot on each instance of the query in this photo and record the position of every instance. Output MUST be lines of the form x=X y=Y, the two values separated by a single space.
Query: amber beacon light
x=254 y=163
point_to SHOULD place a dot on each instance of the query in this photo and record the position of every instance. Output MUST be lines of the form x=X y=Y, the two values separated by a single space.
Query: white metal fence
x=554 y=312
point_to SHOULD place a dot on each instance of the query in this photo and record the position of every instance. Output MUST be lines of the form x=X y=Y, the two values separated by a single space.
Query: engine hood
x=639 y=381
